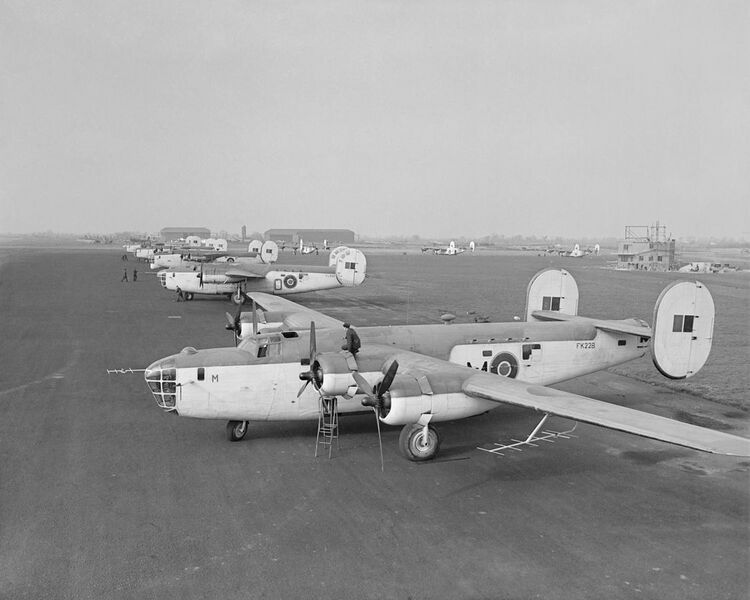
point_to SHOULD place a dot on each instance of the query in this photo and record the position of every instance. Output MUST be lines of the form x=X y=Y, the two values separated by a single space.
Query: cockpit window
x=262 y=350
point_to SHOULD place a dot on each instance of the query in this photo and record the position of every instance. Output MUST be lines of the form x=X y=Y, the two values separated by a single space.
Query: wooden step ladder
x=328 y=423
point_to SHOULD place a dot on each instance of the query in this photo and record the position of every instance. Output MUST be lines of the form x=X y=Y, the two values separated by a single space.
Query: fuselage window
x=262 y=351
x=201 y=373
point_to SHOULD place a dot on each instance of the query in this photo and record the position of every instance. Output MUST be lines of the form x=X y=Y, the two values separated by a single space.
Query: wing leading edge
x=604 y=414
x=499 y=389
x=296 y=316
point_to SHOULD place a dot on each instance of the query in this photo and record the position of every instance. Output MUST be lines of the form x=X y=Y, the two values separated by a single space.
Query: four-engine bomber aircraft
x=415 y=376
x=186 y=259
x=347 y=268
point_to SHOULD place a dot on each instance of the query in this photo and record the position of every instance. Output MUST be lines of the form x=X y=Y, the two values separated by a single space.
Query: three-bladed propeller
x=376 y=397
x=234 y=323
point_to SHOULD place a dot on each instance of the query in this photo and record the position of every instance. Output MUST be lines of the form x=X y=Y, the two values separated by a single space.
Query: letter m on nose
x=214 y=378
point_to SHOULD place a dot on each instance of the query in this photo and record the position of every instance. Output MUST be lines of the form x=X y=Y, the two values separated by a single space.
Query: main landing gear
x=236 y=430
x=237 y=297
x=419 y=442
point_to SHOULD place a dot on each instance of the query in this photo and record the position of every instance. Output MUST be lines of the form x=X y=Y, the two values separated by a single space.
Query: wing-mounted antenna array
x=683 y=329
x=269 y=252
x=552 y=289
x=351 y=266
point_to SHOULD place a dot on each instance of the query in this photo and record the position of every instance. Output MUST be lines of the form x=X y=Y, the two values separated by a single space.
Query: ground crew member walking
x=124 y=275
x=353 y=343
x=180 y=297
x=135 y=275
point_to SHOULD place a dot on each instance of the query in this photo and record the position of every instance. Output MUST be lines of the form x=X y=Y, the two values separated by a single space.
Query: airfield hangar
x=175 y=233
x=293 y=236
x=646 y=248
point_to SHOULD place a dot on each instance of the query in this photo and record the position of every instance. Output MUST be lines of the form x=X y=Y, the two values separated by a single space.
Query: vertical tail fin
x=552 y=289
x=683 y=329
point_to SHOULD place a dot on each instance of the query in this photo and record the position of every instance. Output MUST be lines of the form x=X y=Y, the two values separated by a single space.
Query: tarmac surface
x=102 y=495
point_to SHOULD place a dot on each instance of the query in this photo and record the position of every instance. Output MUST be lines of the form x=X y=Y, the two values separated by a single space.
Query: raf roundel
x=290 y=281
x=505 y=365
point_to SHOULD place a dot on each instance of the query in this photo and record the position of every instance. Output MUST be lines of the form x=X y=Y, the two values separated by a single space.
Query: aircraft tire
x=237 y=298
x=236 y=430
x=412 y=445
x=188 y=296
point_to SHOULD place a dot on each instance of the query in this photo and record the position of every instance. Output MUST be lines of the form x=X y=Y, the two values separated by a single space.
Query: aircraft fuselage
x=259 y=380
x=216 y=282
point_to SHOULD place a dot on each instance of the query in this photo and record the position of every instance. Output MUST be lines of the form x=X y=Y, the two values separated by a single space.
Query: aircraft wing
x=246 y=271
x=442 y=375
x=296 y=315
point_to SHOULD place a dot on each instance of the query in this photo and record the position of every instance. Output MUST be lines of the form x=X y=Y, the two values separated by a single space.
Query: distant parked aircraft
x=450 y=250
x=233 y=279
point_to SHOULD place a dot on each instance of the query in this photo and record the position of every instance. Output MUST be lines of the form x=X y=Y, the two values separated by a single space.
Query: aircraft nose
x=161 y=380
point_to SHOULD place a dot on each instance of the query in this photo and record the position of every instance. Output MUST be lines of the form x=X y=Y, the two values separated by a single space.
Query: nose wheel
x=236 y=430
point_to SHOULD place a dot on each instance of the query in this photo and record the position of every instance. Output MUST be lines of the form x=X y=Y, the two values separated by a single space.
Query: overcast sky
x=438 y=118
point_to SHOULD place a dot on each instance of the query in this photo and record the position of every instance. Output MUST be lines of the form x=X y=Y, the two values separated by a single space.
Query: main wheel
x=236 y=430
x=188 y=296
x=413 y=444
x=237 y=297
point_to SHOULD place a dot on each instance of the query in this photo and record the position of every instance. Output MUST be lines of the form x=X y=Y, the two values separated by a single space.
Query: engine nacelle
x=408 y=399
x=333 y=377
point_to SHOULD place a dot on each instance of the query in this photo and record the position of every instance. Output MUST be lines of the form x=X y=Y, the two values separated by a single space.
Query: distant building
x=646 y=248
x=175 y=233
x=317 y=236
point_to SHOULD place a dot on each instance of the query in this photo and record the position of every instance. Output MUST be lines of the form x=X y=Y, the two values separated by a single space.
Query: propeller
x=375 y=398
x=234 y=322
x=309 y=375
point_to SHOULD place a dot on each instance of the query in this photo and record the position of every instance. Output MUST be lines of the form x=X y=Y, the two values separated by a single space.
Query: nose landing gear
x=236 y=430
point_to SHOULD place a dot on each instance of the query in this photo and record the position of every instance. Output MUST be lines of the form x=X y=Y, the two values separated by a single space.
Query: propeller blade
x=255 y=319
x=302 y=389
x=385 y=385
x=380 y=440
x=230 y=320
x=313 y=344
x=363 y=384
